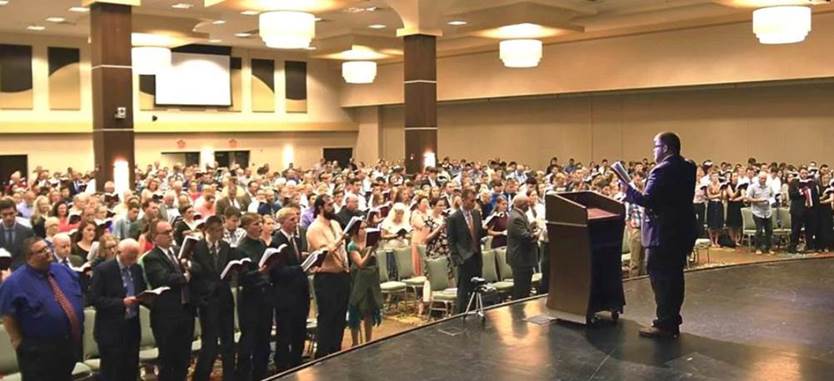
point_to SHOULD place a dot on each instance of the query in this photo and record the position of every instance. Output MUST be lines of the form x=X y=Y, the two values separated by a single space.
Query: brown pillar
x=110 y=28
x=420 y=77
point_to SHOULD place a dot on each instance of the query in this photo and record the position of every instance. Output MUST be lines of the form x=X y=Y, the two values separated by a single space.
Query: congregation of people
x=71 y=247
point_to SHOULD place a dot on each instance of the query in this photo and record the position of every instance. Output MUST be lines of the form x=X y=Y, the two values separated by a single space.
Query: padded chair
x=440 y=291
x=147 y=344
x=405 y=269
x=8 y=356
x=91 y=353
x=748 y=227
x=784 y=229
x=505 y=272
x=489 y=271
x=197 y=343
x=701 y=244
x=389 y=287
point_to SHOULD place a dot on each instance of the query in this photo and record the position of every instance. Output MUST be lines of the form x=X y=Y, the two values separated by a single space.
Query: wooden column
x=110 y=29
x=420 y=77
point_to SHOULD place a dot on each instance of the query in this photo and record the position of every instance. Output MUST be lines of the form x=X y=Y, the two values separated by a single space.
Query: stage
x=767 y=321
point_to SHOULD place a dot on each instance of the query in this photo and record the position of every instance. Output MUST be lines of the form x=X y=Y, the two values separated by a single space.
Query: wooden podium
x=586 y=234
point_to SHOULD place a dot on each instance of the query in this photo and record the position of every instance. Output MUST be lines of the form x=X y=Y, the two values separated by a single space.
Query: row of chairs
x=780 y=220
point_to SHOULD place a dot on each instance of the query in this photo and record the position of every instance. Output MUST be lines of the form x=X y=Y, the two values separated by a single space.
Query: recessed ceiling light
x=182 y=6
x=79 y=9
x=249 y=13
x=457 y=22
x=56 y=19
x=218 y=22
x=36 y=27
x=377 y=26
x=214 y=41
x=243 y=35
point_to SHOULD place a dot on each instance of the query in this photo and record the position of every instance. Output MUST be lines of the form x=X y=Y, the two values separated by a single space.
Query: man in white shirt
x=759 y=195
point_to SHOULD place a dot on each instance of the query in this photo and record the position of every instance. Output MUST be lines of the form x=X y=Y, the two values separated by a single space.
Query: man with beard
x=332 y=281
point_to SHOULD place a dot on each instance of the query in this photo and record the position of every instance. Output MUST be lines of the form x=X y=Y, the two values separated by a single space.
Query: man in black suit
x=350 y=210
x=292 y=291
x=669 y=229
x=522 y=247
x=117 y=331
x=172 y=315
x=255 y=305
x=804 y=197
x=213 y=298
x=464 y=232
x=12 y=233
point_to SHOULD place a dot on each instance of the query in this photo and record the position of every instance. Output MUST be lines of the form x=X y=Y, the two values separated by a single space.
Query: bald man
x=115 y=284
x=522 y=247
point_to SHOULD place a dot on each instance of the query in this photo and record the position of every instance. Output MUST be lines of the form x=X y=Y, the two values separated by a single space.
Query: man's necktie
x=65 y=262
x=808 y=202
x=9 y=237
x=130 y=290
x=295 y=247
x=215 y=256
x=75 y=325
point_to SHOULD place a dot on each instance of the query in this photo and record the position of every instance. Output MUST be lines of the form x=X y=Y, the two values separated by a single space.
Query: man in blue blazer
x=669 y=229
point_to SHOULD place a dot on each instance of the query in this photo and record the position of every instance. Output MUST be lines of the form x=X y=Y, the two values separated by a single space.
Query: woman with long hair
x=735 y=200
x=39 y=214
x=364 y=305
x=82 y=240
x=715 y=209
x=61 y=211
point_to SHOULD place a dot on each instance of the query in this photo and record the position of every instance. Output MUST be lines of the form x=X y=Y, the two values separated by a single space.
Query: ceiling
x=345 y=24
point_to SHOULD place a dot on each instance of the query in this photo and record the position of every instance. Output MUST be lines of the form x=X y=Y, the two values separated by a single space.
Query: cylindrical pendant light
x=782 y=24
x=522 y=53
x=359 y=72
x=287 y=29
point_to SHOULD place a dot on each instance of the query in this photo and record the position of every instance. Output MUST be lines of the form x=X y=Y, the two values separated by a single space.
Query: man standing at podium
x=669 y=229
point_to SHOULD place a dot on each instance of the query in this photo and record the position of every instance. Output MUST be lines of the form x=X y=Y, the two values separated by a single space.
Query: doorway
x=11 y=163
x=341 y=155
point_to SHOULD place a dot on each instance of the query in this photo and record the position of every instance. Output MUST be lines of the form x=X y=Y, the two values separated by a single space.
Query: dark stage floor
x=769 y=321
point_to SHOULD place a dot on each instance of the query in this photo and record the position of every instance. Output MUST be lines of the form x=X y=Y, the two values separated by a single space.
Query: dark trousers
x=46 y=360
x=332 y=296
x=825 y=235
x=544 y=285
x=174 y=333
x=764 y=233
x=255 y=314
x=522 y=282
x=120 y=360
x=217 y=322
x=665 y=270
x=470 y=268
x=292 y=331
x=798 y=220
x=701 y=214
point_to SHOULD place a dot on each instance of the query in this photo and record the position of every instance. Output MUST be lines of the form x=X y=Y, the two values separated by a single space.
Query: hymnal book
x=490 y=218
x=74 y=217
x=353 y=225
x=234 y=266
x=104 y=224
x=158 y=196
x=403 y=232
x=148 y=295
x=743 y=185
x=189 y=243
x=110 y=213
x=83 y=268
x=111 y=197
x=828 y=190
x=372 y=236
x=272 y=255
x=5 y=259
x=195 y=225
x=314 y=259
x=621 y=172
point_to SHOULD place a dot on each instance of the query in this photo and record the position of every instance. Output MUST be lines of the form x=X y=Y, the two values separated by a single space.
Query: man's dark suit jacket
x=225 y=202
x=522 y=244
x=15 y=248
x=205 y=281
x=106 y=294
x=345 y=215
x=160 y=271
x=459 y=237
x=669 y=222
x=798 y=198
x=290 y=284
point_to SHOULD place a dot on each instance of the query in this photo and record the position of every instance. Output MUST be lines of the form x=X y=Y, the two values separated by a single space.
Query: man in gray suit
x=522 y=247
x=12 y=233
x=464 y=232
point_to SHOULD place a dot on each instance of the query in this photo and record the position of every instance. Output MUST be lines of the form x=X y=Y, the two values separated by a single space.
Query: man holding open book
x=212 y=294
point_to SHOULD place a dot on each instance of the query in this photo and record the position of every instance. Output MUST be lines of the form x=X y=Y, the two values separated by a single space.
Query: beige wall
x=368 y=141
x=790 y=123
x=697 y=56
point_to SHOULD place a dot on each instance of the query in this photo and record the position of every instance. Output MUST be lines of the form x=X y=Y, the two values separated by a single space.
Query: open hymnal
x=189 y=243
x=195 y=225
x=111 y=197
x=74 y=217
x=372 y=236
x=621 y=172
x=5 y=259
x=104 y=224
x=234 y=266
x=149 y=295
x=271 y=255
x=314 y=259
x=83 y=268
x=353 y=225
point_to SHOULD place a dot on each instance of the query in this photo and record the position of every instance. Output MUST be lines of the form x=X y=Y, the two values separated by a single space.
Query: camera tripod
x=476 y=302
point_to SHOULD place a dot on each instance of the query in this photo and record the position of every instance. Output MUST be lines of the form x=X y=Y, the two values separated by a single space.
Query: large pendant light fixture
x=287 y=29
x=520 y=53
x=782 y=24
x=359 y=72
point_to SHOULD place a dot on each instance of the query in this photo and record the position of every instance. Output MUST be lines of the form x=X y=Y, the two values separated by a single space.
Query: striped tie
x=75 y=326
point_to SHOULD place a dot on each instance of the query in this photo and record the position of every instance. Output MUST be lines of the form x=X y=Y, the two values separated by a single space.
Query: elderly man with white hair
x=115 y=285
x=62 y=251
x=522 y=247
